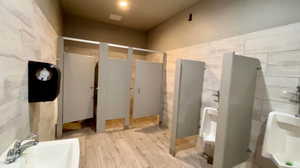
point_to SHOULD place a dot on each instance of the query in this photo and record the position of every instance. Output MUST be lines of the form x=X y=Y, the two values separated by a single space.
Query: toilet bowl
x=209 y=125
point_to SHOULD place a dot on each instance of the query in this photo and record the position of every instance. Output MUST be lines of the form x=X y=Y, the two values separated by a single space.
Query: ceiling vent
x=115 y=17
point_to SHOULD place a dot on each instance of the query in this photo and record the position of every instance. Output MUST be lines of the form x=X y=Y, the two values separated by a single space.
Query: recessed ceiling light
x=115 y=17
x=123 y=4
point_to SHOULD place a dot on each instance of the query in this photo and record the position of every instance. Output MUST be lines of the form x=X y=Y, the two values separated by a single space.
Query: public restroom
x=149 y=83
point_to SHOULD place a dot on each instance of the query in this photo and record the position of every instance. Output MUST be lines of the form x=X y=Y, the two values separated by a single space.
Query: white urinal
x=282 y=140
x=209 y=124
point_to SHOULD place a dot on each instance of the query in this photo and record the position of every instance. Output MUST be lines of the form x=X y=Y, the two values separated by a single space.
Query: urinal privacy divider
x=187 y=101
x=235 y=110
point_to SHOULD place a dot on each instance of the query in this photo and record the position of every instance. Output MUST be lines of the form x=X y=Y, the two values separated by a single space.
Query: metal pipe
x=111 y=45
x=81 y=40
x=117 y=46
x=147 y=50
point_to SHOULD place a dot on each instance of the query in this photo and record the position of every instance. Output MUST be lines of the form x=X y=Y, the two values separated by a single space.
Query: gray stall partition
x=114 y=88
x=148 y=89
x=187 y=102
x=235 y=110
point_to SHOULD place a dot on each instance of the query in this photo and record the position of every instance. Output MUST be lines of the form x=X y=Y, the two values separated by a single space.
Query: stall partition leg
x=60 y=63
x=100 y=120
x=131 y=61
x=163 y=92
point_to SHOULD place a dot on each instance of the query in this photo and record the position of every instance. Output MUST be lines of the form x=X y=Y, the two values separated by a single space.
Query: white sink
x=50 y=154
x=282 y=140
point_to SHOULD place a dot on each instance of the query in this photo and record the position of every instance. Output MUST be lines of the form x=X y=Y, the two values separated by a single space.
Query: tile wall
x=25 y=34
x=278 y=50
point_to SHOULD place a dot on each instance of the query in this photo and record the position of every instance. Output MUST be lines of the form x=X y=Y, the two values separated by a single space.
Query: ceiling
x=140 y=15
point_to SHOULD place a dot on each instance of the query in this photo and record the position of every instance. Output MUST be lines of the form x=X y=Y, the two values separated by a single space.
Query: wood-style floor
x=144 y=146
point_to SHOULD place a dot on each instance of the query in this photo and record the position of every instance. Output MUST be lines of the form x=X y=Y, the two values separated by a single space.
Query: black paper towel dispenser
x=43 y=81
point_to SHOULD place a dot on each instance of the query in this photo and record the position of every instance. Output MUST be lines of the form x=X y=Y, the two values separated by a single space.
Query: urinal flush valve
x=217 y=95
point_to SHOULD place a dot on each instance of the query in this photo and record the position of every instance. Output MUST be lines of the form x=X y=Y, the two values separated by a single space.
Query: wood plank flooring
x=144 y=146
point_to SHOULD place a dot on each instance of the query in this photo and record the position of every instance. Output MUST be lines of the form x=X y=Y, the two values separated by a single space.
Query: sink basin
x=282 y=140
x=50 y=154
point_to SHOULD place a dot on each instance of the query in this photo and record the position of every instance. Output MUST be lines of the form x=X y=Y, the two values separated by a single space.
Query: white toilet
x=209 y=125
x=282 y=140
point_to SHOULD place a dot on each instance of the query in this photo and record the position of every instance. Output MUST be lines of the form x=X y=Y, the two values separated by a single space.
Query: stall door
x=235 y=110
x=116 y=87
x=148 y=89
x=79 y=73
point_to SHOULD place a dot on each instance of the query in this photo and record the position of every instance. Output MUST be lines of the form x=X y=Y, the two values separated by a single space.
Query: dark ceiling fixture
x=190 y=17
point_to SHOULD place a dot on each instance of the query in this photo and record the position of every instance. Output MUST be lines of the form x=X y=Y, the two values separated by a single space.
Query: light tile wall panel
x=25 y=34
